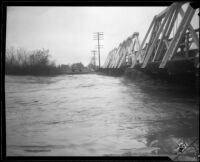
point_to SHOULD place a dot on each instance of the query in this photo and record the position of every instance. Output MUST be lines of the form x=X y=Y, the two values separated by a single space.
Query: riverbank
x=137 y=75
x=50 y=74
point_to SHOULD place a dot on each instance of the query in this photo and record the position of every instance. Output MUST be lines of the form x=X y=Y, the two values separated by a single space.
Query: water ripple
x=95 y=115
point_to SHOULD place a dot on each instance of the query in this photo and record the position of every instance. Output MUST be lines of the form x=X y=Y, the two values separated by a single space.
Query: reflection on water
x=73 y=115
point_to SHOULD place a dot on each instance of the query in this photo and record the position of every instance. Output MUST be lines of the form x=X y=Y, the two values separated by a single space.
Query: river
x=97 y=115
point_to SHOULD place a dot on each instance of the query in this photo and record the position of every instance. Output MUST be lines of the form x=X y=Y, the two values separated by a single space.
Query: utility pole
x=93 y=52
x=99 y=36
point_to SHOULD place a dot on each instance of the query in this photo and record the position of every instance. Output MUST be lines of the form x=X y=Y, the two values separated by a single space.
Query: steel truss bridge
x=171 y=44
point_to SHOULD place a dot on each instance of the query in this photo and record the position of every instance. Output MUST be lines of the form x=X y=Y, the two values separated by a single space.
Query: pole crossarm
x=98 y=36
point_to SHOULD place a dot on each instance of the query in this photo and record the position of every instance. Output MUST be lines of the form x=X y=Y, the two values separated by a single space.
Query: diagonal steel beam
x=152 y=25
x=135 y=52
x=163 y=13
x=157 y=36
x=191 y=30
x=178 y=36
x=153 y=21
x=152 y=36
x=122 y=58
x=163 y=33
x=168 y=32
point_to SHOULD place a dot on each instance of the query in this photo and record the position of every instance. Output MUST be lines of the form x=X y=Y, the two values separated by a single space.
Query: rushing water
x=96 y=115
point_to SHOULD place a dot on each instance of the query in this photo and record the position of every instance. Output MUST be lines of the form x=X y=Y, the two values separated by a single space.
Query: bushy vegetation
x=23 y=62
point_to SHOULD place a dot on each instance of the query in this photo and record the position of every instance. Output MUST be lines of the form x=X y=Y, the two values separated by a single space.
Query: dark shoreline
x=49 y=75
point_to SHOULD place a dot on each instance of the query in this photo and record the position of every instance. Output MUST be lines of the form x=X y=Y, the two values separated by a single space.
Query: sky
x=68 y=31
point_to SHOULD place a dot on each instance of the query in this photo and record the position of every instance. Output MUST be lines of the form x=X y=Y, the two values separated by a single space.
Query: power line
x=98 y=36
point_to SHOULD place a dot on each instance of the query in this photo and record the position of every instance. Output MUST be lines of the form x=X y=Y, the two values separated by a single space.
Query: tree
x=21 y=61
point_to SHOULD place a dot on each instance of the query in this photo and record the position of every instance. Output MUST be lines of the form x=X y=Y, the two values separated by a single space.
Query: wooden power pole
x=99 y=36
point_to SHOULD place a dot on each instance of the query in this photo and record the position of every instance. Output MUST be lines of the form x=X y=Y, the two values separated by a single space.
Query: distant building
x=77 y=67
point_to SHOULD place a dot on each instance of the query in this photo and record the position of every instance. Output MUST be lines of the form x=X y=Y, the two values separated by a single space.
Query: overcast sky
x=68 y=31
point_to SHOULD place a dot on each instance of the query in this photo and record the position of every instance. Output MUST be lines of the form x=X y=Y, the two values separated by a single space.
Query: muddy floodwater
x=96 y=115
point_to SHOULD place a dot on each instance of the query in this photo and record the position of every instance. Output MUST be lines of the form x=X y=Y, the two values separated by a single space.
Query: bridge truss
x=170 y=37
